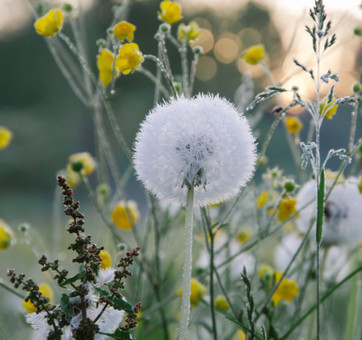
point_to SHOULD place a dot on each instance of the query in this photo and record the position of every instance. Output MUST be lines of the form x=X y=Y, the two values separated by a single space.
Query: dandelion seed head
x=201 y=142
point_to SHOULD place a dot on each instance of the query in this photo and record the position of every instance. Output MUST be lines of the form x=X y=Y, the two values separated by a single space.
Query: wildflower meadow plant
x=216 y=240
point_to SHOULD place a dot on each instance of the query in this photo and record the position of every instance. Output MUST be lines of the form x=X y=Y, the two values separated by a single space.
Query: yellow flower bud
x=105 y=64
x=221 y=303
x=49 y=24
x=129 y=58
x=254 y=54
x=262 y=199
x=189 y=32
x=46 y=291
x=293 y=124
x=170 y=12
x=125 y=214
x=5 y=137
x=124 y=30
x=106 y=259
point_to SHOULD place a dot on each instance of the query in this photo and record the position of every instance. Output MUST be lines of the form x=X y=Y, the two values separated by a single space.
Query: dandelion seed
x=170 y=12
x=105 y=65
x=39 y=323
x=124 y=30
x=129 y=58
x=202 y=142
x=5 y=137
x=254 y=54
x=189 y=32
x=294 y=125
x=287 y=290
x=49 y=24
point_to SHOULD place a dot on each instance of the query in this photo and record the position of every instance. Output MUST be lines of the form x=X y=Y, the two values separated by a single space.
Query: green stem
x=186 y=280
x=323 y=298
x=11 y=290
x=211 y=283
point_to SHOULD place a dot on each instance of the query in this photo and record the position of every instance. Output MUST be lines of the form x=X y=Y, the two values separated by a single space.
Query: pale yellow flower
x=129 y=58
x=5 y=236
x=198 y=291
x=240 y=335
x=125 y=214
x=124 y=30
x=106 y=259
x=89 y=164
x=293 y=124
x=189 y=32
x=265 y=271
x=49 y=24
x=5 y=137
x=254 y=54
x=170 y=12
x=244 y=235
x=286 y=208
x=105 y=61
x=328 y=110
x=221 y=303
x=287 y=290
x=46 y=291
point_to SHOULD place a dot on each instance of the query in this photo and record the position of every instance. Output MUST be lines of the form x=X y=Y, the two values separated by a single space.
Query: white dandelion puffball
x=202 y=142
x=342 y=212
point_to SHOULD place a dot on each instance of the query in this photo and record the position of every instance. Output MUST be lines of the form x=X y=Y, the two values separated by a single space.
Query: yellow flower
x=105 y=64
x=244 y=235
x=328 y=110
x=5 y=237
x=5 y=137
x=265 y=271
x=189 y=32
x=294 y=125
x=286 y=208
x=106 y=259
x=240 y=335
x=221 y=303
x=170 y=12
x=71 y=177
x=50 y=23
x=254 y=54
x=87 y=161
x=46 y=291
x=287 y=289
x=129 y=58
x=360 y=186
x=123 y=212
x=124 y=30
x=262 y=199
x=198 y=290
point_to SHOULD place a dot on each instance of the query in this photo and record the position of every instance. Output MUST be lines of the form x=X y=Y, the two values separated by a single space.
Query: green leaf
x=76 y=277
x=119 y=335
x=320 y=208
x=102 y=293
x=122 y=305
x=66 y=308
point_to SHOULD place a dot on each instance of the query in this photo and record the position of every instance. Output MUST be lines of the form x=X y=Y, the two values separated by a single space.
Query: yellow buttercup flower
x=287 y=290
x=46 y=291
x=105 y=65
x=286 y=208
x=5 y=137
x=240 y=335
x=189 y=32
x=5 y=237
x=125 y=214
x=262 y=199
x=50 y=23
x=328 y=110
x=254 y=54
x=221 y=303
x=198 y=291
x=293 y=124
x=124 y=30
x=170 y=12
x=106 y=259
x=85 y=159
x=129 y=58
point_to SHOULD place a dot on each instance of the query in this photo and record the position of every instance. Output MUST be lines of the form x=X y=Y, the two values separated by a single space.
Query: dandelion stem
x=186 y=280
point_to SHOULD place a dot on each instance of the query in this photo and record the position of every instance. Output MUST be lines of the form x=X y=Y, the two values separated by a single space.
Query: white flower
x=39 y=324
x=342 y=212
x=202 y=142
x=105 y=276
